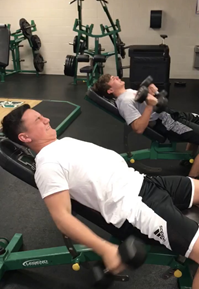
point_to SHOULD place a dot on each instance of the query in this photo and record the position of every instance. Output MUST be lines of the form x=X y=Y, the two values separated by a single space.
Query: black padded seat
x=86 y=69
x=20 y=162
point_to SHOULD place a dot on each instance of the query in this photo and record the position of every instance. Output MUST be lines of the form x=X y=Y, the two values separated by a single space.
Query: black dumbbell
x=162 y=102
x=132 y=253
x=143 y=92
x=102 y=278
x=148 y=81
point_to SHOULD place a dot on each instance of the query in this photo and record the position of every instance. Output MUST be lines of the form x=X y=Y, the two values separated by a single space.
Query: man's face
x=116 y=84
x=37 y=128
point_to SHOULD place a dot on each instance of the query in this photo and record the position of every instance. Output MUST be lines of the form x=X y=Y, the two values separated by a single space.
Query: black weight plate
x=75 y=44
x=120 y=69
x=123 y=52
x=36 y=42
x=120 y=48
x=25 y=28
x=83 y=47
x=38 y=62
x=69 y=67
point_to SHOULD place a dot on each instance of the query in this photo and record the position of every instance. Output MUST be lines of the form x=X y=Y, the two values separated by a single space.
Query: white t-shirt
x=95 y=177
x=130 y=109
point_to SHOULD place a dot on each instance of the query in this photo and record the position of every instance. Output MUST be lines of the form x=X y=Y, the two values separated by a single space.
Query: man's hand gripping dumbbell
x=149 y=92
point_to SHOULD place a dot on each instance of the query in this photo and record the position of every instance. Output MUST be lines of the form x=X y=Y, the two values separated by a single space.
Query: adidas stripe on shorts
x=160 y=217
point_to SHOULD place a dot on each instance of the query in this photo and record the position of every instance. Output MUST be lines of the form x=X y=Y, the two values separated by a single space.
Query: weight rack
x=25 y=32
x=95 y=57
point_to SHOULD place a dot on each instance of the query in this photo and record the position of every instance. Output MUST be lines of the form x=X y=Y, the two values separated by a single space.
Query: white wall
x=55 y=19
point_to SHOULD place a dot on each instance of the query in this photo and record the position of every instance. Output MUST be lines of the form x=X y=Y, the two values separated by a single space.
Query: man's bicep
x=58 y=205
x=129 y=113
x=50 y=179
x=134 y=125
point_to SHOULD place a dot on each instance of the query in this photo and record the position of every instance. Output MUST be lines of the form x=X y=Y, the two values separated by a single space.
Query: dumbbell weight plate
x=161 y=105
x=101 y=278
x=133 y=252
x=25 y=28
x=147 y=81
x=141 y=94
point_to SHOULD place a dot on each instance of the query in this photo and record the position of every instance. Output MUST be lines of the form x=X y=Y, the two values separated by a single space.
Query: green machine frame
x=81 y=48
x=13 y=259
x=106 y=31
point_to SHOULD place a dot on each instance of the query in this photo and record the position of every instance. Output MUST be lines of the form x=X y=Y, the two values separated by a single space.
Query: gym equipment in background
x=95 y=58
x=151 y=60
x=12 y=42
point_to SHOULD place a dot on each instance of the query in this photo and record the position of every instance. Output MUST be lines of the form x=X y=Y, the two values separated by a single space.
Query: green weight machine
x=14 y=43
x=11 y=258
x=95 y=58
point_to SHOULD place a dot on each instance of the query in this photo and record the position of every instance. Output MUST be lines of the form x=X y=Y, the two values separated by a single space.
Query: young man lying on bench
x=67 y=169
x=174 y=125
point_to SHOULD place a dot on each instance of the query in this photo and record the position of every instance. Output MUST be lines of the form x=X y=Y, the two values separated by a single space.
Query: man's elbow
x=61 y=219
x=137 y=129
x=140 y=131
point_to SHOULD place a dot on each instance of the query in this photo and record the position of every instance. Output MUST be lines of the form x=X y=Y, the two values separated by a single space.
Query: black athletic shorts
x=160 y=216
x=185 y=128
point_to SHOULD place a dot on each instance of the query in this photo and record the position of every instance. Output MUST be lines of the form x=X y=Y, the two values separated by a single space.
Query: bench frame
x=11 y=259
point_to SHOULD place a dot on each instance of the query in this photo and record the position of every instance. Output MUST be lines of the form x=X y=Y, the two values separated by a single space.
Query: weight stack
x=153 y=60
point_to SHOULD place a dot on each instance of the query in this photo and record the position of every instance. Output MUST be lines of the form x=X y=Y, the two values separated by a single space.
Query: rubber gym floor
x=21 y=207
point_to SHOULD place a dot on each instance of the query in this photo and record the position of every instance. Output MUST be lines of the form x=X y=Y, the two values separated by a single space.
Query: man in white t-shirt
x=175 y=125
x=100 y=179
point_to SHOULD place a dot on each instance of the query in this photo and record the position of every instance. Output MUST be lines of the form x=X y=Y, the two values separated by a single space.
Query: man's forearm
x=80 y=233
x=142 y=122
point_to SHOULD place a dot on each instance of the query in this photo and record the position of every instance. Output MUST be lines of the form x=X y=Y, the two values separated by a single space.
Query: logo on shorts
x=160 y=234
